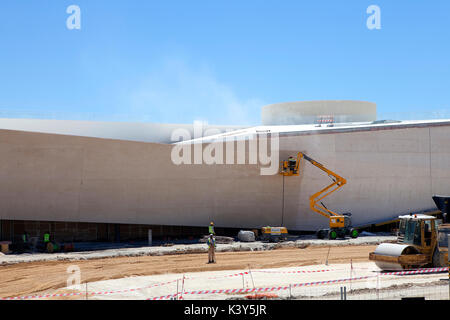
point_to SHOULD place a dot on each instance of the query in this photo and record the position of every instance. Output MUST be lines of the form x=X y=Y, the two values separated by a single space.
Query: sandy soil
x=27 y=278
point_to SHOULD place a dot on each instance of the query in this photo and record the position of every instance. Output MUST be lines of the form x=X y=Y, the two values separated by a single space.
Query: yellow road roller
x=421 y=242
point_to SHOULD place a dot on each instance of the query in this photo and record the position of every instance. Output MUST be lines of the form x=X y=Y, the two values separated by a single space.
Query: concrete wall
x=66 y=178
x=52 y=177
x=388 y=172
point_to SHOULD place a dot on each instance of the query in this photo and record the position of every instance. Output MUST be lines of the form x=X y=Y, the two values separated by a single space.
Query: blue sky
x=220 y=61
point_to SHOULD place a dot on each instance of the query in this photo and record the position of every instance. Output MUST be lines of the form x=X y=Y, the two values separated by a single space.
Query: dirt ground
x=37 y=277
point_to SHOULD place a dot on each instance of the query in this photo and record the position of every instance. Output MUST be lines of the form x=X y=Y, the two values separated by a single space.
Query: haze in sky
x=220 y=61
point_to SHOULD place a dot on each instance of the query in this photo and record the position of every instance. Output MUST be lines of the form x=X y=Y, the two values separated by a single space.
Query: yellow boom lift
x=340 y=225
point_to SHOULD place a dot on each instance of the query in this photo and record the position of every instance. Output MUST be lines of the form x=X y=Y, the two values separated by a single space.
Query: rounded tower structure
x=309 y=112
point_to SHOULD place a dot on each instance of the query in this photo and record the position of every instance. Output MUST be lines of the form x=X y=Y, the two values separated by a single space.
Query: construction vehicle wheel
x=437 y=259
x=354 y=233
x=319 y=234
x=332 y=235
x=49 y=247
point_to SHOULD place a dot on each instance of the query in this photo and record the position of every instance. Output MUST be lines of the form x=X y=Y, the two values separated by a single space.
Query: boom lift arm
x=316 y=198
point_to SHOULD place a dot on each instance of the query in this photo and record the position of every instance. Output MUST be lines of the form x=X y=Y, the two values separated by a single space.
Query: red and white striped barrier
x=325 y=282
x=43 y=296
x=405 y=272
x=399 y=273
x=418 y=271
x=215 y=291
x=219 y=277
x=260 y=271
x=296 y=271
x=89 y=293
x=132 y=290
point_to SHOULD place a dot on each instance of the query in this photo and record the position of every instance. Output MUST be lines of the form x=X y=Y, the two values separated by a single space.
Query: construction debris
x=246 y=236
x=219 y=239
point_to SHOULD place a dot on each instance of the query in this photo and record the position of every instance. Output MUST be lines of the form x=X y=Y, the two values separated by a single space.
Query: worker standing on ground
x=25 y=237
x=211 y=249
x=48 y=246
x=211 y=228
x=25 y=241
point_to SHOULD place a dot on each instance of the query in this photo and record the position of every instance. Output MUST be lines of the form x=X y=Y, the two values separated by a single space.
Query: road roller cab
x=417 y=245
x=441 y=258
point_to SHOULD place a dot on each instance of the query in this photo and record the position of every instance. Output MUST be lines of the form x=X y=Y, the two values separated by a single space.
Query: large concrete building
x=101 y=181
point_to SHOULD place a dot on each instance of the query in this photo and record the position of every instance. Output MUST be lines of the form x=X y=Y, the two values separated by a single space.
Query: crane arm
x=338 y=182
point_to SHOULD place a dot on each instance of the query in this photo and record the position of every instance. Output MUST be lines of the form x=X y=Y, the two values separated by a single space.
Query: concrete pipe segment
x=308 y=112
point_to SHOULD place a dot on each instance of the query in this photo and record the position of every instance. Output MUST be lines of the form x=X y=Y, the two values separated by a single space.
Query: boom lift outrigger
x=340 y=225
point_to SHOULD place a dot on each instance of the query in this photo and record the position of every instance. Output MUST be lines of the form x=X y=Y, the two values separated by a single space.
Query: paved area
x=362 y=281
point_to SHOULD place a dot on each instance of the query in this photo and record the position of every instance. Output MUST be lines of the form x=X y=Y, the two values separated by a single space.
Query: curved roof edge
x=133 y=131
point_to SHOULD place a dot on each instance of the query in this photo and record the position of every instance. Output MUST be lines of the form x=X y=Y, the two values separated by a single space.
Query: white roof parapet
x=320 y=111
x=416 y=216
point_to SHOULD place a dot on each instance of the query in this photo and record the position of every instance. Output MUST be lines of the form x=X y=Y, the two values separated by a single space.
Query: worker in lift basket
x=292 y=162
x=211 y=249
